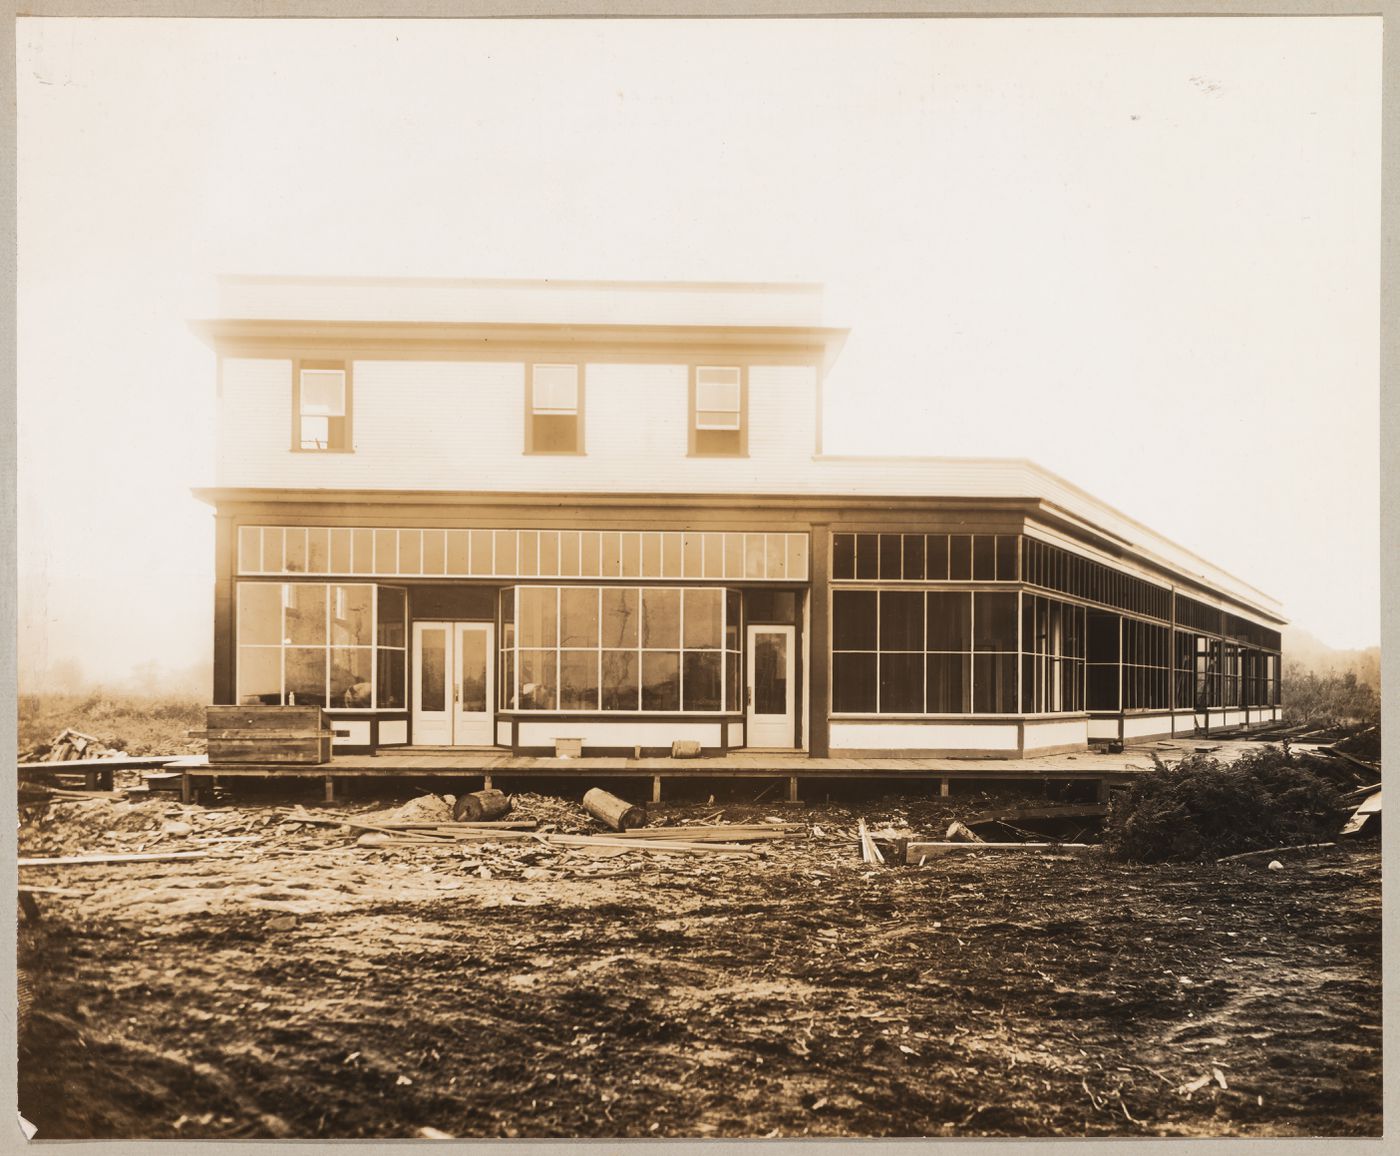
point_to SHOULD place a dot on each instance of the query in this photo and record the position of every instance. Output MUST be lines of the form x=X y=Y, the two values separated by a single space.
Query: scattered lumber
x=1275 y=851
x=465 y=825
x=647 y=844
x=479 y=806
x=869 y=853
x=704 y=835
x=1361 y=816
x=1021 y=814
x=917 y=853
x=142 y=857
x=71 y=794
x=1372 y=768
x=617 y=813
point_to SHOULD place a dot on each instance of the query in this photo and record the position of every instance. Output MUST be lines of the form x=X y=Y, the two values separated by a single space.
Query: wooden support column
x=792 y=789
x=486 y=782
x=1101 y=795
x=185 y=787
x=656 y=788
x=819 y=655
x=943 y=787
x=330 y=788
x=225 y=567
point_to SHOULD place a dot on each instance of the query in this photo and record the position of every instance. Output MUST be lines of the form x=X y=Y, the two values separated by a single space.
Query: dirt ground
x=294 y=984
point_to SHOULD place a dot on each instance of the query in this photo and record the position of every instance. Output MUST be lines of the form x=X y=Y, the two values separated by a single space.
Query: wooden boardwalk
x=485 y=767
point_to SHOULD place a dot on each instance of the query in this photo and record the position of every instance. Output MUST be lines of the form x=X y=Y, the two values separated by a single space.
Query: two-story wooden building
x=497 y=513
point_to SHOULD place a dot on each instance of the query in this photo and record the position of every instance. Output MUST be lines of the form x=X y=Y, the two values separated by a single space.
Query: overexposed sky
x=1142 y=252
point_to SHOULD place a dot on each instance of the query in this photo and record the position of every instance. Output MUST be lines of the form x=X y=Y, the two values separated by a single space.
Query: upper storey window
x=718 y=411
x=554 y=423
x=321 y=406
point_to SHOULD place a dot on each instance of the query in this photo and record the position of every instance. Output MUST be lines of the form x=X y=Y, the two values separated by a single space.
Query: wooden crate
x=268 y=734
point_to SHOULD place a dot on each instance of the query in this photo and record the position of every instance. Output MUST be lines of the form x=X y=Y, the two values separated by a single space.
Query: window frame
x=692 y=414
x=579 y=370
x=301 y=365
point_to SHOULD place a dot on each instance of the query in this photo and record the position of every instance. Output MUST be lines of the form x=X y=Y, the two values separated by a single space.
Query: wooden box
x=268 y=734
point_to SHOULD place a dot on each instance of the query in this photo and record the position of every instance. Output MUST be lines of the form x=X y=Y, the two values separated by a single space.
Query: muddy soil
x=293 y=984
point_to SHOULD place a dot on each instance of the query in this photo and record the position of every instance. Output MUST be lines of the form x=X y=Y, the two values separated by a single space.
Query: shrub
x=1202 y=808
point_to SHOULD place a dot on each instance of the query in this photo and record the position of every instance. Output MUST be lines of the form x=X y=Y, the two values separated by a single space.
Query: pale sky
x=1142 y=252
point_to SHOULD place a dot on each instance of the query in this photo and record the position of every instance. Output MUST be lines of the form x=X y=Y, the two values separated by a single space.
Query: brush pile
x=1202 y=808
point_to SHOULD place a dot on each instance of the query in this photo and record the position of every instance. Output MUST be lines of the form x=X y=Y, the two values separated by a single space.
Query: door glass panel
x=770 y=674
x=473 y=646
x=432 y=674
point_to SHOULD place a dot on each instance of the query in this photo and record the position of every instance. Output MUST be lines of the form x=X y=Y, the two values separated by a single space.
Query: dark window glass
x=983 y=558
x=393 y=611
x=772 y=606
x=578 y=680
x=620 y=612
x=853 y=620
x=867 y=555
x=578 y=616
x=853 y=683
x=843 y=556
x=538 y=680
x=949 y=621
x=994 y=620
x=390 y=688
x=703 y=611
x=891 y=558
x=960 y=557
x=936 y=557
x=914 y=557
x=1103 y=637
x=994 y=683
x=1103 y=687
x=554 y=433
x=901 y=620
x=949 y=688
x=620 y=680
x=1006 y=558
x=661 y=680
x=305 y=673
x=661 y=617
x=735 y=681
x=901 y=683
x=702 y=673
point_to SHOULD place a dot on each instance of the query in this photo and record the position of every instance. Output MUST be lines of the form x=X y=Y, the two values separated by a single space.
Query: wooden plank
x=919 y=852
x=147 y=857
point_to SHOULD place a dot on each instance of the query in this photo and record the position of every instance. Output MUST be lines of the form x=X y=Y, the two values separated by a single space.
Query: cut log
x=481 y=805
x=617 y=813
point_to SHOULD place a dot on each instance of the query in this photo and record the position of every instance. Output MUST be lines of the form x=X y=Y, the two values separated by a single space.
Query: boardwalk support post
x=656 y=788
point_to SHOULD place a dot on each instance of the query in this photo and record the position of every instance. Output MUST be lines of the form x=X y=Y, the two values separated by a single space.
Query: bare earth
x=296 y=985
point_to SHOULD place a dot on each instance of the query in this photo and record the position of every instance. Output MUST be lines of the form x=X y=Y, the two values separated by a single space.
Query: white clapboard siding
x=460 y=426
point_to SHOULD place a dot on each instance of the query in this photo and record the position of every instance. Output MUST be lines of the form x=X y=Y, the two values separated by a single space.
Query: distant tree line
x=1329 y=698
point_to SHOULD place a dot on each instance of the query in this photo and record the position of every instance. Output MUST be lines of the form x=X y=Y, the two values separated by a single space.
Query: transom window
x=554 y=424
x=322 y=407
x=717 y=404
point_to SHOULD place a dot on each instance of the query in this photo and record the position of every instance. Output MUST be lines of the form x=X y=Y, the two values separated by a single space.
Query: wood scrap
x=617 y=813
x=869 y=853
x=142 y=857
x=917 y=853
x=647 y=844
x=1275 y=851
x=1362 y=814
x=961 y=833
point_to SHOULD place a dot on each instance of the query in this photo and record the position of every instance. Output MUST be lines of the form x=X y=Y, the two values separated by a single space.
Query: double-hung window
x=554 y=421
x=321 y=406
x=718 y=397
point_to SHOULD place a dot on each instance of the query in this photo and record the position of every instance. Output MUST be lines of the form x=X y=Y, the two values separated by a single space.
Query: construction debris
x=960 y=833
x=69 y=744
x=1362 y=815
x=1275 y=850
x=617 y=813
x=76 y=860
x=869 y=853
x=917 y=853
